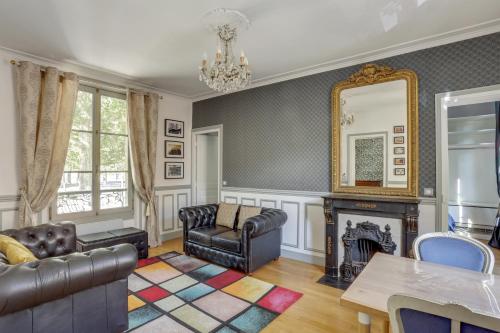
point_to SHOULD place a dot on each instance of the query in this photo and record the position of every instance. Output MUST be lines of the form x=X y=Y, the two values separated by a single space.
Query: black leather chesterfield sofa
x=257 y=243
x=64 y=291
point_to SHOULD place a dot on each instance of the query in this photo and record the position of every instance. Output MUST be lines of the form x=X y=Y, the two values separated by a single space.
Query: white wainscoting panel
x=170 y=200
x=182 y=201
x=303 y=235
x=230 y=200
x=427 y=216
x=314 y=234
x=291 y=230
x=9 y=212
x=167 y=215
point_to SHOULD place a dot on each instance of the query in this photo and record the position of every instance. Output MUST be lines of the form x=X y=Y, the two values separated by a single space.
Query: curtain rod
x=93 y=81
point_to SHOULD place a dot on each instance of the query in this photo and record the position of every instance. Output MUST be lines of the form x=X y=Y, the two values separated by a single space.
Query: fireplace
x=360 y=244
x=401 y=214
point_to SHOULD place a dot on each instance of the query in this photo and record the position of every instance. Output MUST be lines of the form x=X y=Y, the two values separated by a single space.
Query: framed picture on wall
x=174 y=149
x=174 y=128
x=399 y=171
x=174 y=170
x=399 y=161
x=399 y=140
x=399 y=150
x=398 y=129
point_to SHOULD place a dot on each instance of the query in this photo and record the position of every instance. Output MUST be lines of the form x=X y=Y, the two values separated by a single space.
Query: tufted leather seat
x=228 y=241
x=258 y=242
x=62 y=290
x=203 y=235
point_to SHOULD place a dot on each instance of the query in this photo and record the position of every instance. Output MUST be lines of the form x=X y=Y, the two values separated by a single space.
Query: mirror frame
x=371 y=74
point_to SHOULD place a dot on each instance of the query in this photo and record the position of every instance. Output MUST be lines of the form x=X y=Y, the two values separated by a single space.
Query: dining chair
x=414 y=315
x=450 y=249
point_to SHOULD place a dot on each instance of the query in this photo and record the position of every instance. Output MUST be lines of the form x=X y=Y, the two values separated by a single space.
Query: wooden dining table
x=387 y=275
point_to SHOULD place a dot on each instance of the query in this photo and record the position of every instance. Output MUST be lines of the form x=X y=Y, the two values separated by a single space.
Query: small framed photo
x=174 y=170
x=399 y=150
x=399 y=171
x=174 y=128
x=399 y=161
x=174 y=149
x=399 y=140
x=398 y=129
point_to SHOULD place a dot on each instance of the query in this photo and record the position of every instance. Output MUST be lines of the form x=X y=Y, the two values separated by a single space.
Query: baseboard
x=171 y=235
x=310 y=259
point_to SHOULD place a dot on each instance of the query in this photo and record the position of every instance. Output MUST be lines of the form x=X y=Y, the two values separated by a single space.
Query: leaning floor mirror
x=375 y=133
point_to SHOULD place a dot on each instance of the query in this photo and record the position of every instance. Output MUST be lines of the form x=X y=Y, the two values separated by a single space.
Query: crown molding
x=453 y=36
x=89 y=71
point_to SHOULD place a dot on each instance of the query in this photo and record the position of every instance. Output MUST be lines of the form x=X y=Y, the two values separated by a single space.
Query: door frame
x=194 y=139
x=443 y=101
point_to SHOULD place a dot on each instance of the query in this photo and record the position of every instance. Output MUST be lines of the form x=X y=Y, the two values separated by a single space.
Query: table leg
x=364 y=321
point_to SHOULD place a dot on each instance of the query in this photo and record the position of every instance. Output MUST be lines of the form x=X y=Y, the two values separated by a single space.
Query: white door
x=449 y=185
x=206 y=166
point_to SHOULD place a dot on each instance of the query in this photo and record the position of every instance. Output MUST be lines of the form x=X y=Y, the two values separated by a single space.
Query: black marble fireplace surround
x=405 y=209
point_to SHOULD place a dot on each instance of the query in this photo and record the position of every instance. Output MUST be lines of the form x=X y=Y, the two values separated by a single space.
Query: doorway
x=466 y=189
x=207 y=164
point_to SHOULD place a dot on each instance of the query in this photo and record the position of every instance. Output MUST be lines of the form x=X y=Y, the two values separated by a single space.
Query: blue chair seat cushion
x=419 y=322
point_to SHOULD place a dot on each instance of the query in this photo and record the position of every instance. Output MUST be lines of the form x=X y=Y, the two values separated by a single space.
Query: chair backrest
x=450 y=249
x=414 y=315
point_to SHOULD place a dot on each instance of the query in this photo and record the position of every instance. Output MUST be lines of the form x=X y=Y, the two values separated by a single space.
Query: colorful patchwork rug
x=175 y=293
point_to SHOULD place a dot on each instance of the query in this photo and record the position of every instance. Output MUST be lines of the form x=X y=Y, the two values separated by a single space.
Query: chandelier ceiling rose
x=225 y=16
x=224 y=74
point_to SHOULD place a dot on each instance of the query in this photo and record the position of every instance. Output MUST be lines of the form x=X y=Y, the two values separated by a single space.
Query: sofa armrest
x=269 y=219
x=198 y=216
x=27 y=285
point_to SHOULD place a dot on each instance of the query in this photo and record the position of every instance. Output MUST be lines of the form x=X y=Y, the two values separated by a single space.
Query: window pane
x=114 y=153
x=79 y=156
x=113 y=115
x=74 y=203
x=114 y=180
x=115 y=199
x=76 y=182
x=82 y=118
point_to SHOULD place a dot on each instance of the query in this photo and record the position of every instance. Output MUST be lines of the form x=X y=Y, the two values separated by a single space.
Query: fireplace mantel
x=403 y=208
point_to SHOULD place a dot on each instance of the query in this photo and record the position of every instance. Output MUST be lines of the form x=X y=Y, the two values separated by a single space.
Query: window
x=96 y=179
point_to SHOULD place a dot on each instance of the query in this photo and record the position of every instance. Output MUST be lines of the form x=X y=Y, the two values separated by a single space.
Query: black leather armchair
x=65 y=291
x=258 y=242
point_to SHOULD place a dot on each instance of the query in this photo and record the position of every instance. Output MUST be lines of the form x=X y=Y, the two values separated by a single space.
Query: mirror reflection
x=373 y=135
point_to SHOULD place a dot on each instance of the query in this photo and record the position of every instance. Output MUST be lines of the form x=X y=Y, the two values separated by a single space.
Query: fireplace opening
x=366 y=249
x=360 y=245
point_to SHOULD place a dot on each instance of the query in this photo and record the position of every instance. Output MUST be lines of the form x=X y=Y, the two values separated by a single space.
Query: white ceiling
x=160 y=42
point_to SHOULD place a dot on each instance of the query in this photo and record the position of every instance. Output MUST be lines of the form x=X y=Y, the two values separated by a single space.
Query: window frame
x=98 y=214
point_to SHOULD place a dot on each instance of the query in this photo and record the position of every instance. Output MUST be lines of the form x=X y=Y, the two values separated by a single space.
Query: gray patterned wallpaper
x=278 y=136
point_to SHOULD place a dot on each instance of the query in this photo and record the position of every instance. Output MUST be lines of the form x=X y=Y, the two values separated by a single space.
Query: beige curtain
x=142 y=126
x=46 y=100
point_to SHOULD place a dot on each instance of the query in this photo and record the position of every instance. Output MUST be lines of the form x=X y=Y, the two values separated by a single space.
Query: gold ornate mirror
x=375 y=133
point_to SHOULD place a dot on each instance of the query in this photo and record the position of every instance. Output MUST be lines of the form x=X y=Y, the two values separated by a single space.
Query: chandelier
x=224 y=74
x=346 y=119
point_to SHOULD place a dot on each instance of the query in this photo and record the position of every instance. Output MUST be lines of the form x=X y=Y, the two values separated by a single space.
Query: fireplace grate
x=361 y=244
